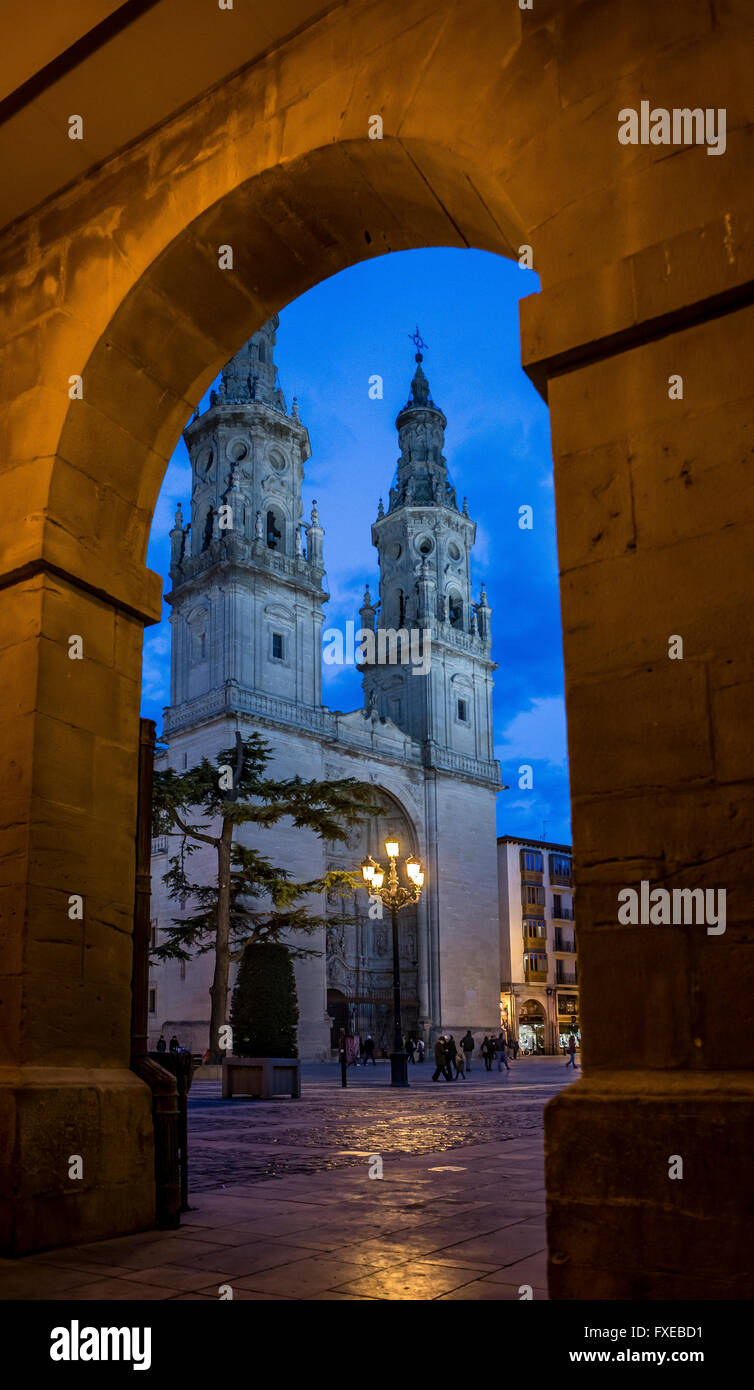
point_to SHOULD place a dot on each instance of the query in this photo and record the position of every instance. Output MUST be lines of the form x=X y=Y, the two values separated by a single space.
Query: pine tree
x=264 y=1009
x=250 y=900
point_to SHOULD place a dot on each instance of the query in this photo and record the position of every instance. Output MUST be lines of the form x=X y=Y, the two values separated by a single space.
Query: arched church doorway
x=338 y=1012
x=359 y=935
x=116 y=286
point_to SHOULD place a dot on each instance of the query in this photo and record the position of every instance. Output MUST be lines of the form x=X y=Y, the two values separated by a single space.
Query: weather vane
x=418 y=341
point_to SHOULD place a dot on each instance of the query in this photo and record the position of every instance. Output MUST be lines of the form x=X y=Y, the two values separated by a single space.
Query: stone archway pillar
x=76 y=1126
x=655 y=537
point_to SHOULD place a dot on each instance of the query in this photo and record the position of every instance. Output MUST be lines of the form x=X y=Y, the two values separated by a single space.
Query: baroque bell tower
x=246 y=571
x=424 y=542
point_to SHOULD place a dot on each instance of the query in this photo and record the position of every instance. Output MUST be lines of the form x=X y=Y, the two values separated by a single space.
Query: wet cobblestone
x=240 y=1141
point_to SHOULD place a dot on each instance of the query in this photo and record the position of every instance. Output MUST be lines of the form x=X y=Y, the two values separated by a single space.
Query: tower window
x=273 y=535
x=152 y=1002
x=463 y=711
x=455 y=609
x=277 y=646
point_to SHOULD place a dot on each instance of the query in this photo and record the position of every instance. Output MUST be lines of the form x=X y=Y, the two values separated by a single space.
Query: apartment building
x=539 y=992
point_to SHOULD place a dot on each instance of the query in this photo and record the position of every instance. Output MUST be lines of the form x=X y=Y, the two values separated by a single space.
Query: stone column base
x=50 y=1114
x=618 y=1226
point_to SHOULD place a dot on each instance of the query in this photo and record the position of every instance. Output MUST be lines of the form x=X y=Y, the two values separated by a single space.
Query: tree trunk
x=219 y=986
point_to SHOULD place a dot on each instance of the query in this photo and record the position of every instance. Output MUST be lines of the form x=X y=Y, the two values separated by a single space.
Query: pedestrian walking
x=459 y=1062
x=369 y=1050
x=572 y=1052
x=420 y=1050
x=501 y=1048
x=467 y=1044
x=514 y=1045
x=440 y=1059
x=450 y=1057
x=488 y=1051
x=410 y=1049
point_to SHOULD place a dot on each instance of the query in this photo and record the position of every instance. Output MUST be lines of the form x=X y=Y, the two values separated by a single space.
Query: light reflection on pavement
x=242 y=1140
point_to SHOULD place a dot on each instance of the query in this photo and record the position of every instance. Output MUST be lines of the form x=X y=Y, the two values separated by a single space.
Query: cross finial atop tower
x=419 y=344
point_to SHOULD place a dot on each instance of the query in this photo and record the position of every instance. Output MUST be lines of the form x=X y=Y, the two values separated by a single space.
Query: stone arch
x=455 y=608
x=116 y=279
x=275 y=526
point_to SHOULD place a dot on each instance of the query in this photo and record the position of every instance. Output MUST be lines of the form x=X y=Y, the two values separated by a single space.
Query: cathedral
x=248 y=607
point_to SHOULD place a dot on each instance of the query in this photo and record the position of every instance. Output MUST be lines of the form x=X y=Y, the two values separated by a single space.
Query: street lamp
x=395 y=896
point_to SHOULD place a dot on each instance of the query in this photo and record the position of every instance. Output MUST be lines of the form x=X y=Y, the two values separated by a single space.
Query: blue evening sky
x=330 y=342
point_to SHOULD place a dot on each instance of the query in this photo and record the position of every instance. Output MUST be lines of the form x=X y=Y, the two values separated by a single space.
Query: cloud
x=156 y=665
x=537 y=734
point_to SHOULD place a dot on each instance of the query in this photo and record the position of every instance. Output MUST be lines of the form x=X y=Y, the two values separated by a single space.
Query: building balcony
x=533 y=909
x=565 y=977
x=531 y=876
x=535 y=977
x=562 y=880
x=562 y=943
x=563 y=914
x=534 y=943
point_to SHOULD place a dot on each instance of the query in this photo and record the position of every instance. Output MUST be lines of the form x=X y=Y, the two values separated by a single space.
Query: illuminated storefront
x=531 y=1029
x=568 y=1018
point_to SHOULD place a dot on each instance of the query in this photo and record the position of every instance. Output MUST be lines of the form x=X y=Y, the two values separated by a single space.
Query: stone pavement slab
x=463 y=1220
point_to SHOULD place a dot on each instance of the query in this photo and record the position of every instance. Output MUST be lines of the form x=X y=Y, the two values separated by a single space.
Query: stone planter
x=209 y=1071
x=262 y=1077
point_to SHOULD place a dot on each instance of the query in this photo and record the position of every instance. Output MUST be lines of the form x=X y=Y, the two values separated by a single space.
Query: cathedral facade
x=248 y=608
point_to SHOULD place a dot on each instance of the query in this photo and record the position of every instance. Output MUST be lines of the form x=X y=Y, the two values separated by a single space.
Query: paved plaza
x=283 y=1205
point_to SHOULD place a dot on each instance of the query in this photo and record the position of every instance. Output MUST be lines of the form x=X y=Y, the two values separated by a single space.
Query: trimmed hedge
x=264 y=1008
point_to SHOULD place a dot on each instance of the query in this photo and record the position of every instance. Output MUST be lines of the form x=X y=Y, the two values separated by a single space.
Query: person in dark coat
x=572 y=1052
x=161 y=1044
x=440 y=1060
x=368 y=1050
x=467 y=1045
x=501 y=1048
x=488 y=1051
x=175 y=1046
x=450 y=1057
x=514 y=1045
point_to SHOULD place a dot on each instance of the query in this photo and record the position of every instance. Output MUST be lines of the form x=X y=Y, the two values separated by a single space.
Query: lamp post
x=395 y=896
